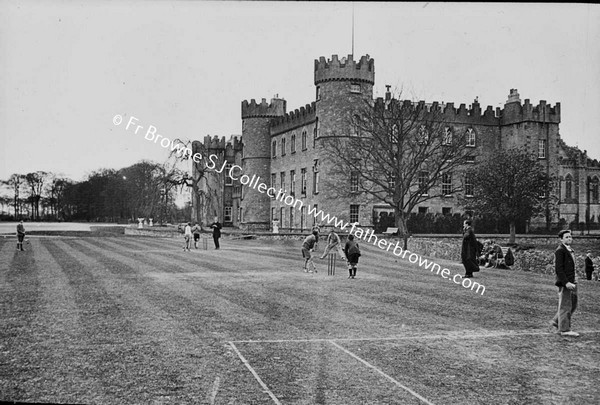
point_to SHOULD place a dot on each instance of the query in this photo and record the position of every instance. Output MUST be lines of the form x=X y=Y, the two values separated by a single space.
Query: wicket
x=331 y=264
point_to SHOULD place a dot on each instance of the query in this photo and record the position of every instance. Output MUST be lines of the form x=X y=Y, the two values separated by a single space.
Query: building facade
x=284 y=150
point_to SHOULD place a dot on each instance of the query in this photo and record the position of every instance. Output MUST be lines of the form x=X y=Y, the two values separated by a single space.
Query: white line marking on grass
x=366 y=363
x=262 y=384
x=213 y=395
x=450 y=336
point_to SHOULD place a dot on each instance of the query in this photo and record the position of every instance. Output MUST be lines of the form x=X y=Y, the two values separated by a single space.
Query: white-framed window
x=354 y=210
x=228 y=179
x=304 y=140
x=227 y=214
x=355 y=88
x=423 y=180
x=293 y=144
x=470 y=137
x=447 y=137
x=470 y=159
x=303 y=181
x=469 y=187
x=353 y=182
x=541 y=149
x=282 y=146
x=447 y=183
x=391 y=183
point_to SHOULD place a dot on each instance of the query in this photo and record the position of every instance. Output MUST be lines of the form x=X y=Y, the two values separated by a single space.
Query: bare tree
x=36 y=181
x=399 y=152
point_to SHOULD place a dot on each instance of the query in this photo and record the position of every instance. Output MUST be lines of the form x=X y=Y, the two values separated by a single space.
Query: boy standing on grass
x=333 y=241
x=352 y=253
x=307 y=248
x=196 y=231
x=187 y=234
x=20 y=236
x=564 y=265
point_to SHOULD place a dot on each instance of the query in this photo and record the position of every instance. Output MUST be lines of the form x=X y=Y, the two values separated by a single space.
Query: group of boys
x=195 y=231
x=350 y=252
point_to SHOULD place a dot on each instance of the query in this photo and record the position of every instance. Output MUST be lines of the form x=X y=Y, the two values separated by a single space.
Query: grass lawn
x=134 y=320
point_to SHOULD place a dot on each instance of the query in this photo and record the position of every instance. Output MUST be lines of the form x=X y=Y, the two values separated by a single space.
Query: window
x=240 y=214
x=281 y=216
x=292 y=182
x=353 y=182
x=355 y=88
x=354 y=213
x=447 y=137
x=273 y=213
x=446 y=210
x=422 y=135
x=470 y=159
x=315 y=179
x=293 y=144
x=274 y=149
x=470 y=137
x=302 y=217
x=315 y=208
x=423 y=210
x=304 y=140
x=303 y=181
x=395 y=134
x=594 y=190
x=228 y=179
x=318 y=93
x=568 y=187
x=315 y=132
x=392 y=183
x=227 y=214
x=541 y=149
x=423 y=182
x=282 y=146
x=273 y=180
x=447 y=183
x=469 y=185
x=291 y=218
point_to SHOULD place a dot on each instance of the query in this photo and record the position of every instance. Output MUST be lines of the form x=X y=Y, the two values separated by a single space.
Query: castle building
x=284 y=150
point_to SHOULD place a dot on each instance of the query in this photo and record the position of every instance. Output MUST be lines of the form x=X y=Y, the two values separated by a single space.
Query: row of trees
x=145 y=189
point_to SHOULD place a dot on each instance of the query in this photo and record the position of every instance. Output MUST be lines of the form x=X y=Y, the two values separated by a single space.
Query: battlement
x=263 y=110
x=294 y=119
x=514 y=112
x=215 y=143
x=345 y=70
x=446 y=111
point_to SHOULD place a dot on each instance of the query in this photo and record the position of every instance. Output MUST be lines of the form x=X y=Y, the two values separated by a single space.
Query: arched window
x=274 y=149
x=470 y=137
x=568 y=187
x=303 y=140
x=282 y=146
x=594 y=189
x=293 y=144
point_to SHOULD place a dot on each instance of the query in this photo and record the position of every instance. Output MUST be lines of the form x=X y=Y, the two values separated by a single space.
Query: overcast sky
x=67 y=68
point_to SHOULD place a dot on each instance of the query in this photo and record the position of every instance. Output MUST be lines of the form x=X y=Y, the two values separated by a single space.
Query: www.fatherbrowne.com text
x=235 y=173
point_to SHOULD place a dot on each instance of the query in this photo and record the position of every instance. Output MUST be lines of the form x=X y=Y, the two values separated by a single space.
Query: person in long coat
x=469 y=250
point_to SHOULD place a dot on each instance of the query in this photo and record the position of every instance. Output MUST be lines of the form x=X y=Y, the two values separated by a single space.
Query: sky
x=68 y=68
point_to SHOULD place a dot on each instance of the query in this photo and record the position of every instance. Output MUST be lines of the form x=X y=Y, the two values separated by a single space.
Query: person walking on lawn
x=20 y=236
x=564 y=266
x=352 y=253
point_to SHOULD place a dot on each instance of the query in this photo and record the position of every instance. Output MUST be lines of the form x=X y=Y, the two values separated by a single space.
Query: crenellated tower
x=342 y=86
x=256 y=122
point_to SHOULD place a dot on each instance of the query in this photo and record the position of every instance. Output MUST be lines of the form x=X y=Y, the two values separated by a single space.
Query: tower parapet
x=345 y=69
x=514 y=112
x=263 y=110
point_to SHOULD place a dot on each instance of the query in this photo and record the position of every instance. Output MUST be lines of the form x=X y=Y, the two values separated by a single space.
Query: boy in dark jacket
x=564 y=265
x=352 y=252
